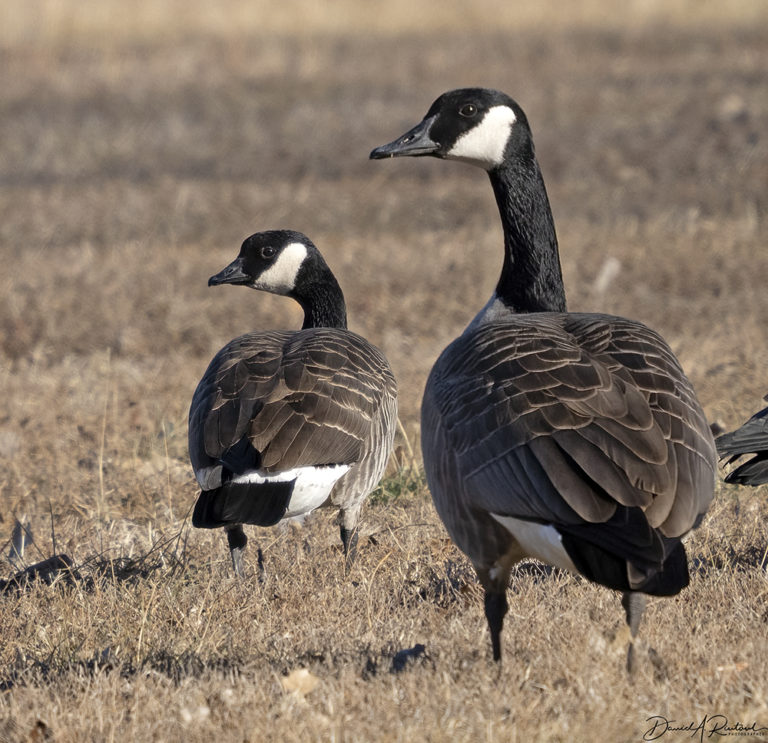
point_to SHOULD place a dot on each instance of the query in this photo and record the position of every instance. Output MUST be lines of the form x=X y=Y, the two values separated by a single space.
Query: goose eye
x=268 y=252
x=468 y=110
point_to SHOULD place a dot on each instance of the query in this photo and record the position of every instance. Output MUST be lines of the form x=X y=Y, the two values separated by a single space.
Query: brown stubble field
x=136 y=154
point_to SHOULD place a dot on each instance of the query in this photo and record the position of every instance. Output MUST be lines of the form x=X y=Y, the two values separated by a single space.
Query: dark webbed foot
x=634 y=605
x=237 y=541
x=495 y=608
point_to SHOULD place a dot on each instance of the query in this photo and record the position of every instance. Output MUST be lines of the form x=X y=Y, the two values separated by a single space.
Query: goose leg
x=634 y=604
x=260 y=563
x=495 y=608
x=237 y=541
x=349 y=540
x=348 y=529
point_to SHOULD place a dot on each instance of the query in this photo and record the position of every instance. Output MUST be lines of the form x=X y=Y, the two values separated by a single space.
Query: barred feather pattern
x=563 y=418
x=277 y=400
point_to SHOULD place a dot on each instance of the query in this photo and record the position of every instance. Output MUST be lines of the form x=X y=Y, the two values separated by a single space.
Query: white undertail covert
x=312 y=485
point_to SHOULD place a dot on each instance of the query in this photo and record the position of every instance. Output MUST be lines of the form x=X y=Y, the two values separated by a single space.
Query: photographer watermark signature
x=708 y=728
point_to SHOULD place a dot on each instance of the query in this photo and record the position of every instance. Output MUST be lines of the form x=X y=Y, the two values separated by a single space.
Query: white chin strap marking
x=484 y=144
x=281 y=277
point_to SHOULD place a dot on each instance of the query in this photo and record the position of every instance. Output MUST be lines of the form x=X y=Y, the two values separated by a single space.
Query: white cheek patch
x=484 y=144
x=280 y=278
x=312 y=485
x=538 y=540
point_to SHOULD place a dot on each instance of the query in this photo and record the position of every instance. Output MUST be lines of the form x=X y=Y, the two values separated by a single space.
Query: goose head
x=488 y=129
x=288 y=263
x=479 y=126
x=276 y=261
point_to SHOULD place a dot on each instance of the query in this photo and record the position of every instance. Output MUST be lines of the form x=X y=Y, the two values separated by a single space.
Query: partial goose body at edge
x=750 y=438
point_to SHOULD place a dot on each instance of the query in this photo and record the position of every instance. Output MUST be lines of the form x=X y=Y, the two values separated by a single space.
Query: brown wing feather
x=299 y=398
x=560 y=418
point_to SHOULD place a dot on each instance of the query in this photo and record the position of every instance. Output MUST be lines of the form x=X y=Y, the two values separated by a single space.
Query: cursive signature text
x=709 y=727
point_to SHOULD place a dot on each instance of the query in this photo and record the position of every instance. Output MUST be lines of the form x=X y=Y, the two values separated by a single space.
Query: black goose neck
x=322 y=301
x=531 y=278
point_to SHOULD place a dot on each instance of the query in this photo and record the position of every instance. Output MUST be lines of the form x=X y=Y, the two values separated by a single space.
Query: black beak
x=414 y=143
x=232 y=274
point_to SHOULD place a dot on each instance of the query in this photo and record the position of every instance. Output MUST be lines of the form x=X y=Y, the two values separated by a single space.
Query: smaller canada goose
x=574 y=438
x=283 y=422
x=751 y=438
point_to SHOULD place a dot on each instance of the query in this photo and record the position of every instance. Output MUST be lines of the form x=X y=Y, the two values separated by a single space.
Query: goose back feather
x=275 y=401
x=566 y=419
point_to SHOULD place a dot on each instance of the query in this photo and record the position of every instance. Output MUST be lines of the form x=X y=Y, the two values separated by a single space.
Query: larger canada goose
x=572 y=438
x=283 y=422
x=751 y=438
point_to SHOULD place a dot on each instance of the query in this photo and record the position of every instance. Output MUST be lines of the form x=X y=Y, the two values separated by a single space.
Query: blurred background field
x=141 y=142
x=45 y=23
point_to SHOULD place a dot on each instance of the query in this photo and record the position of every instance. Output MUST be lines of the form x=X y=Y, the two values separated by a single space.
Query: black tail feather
x=672 y=577
x=261 y=504
x=752 y=472
x=751 y=438
x=604 y=554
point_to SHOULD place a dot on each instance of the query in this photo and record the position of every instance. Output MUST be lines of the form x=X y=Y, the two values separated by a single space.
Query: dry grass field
x=139 y=147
